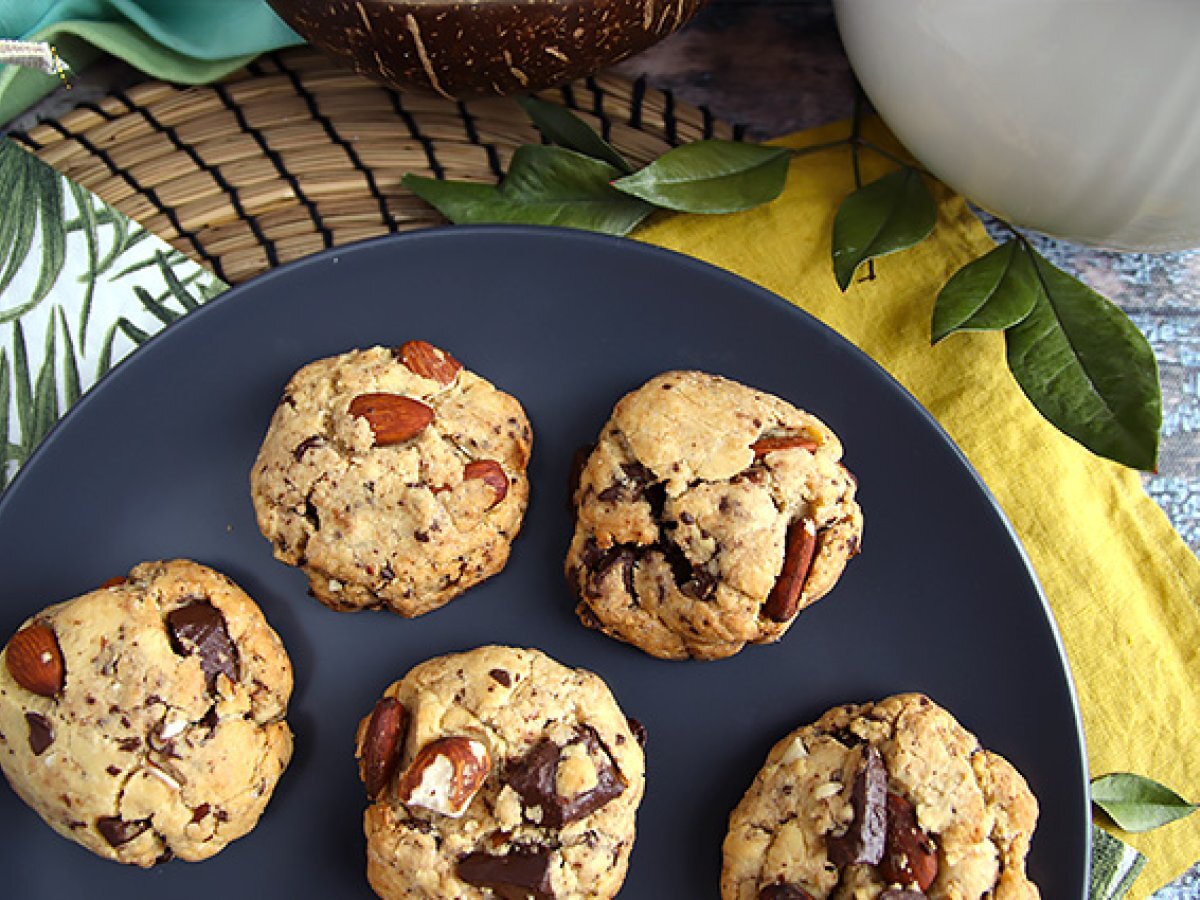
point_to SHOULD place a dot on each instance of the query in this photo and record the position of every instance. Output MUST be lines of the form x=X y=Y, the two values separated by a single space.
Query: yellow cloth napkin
x=1124 y=587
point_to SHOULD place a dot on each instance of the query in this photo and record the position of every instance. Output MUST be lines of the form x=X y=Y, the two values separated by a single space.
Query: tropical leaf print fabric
x=81 y=286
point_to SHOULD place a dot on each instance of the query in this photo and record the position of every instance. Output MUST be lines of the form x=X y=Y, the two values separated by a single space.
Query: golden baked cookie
x=499 y=773
x=891 y=800
x=392 y=478
x=145 y=719
x=707 y=516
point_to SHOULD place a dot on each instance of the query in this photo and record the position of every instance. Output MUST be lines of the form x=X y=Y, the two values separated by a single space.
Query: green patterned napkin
x=81 y=287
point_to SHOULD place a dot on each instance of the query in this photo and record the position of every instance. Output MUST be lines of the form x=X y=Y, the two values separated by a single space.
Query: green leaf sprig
x=1081 y=362
x=1136 y=803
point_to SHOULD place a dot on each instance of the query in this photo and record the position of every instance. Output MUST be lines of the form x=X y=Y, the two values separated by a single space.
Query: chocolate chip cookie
x=707 y=516
x=392 y=478
x=892 y=800
x=144 y=720
x=499 y=773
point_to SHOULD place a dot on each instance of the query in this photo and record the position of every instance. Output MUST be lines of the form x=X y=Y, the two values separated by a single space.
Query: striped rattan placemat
x=295 y=154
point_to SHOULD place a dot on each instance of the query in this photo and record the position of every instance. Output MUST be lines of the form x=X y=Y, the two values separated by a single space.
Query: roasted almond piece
x=909 y=857
x=445 y=775
x=784 y=599
x=379 y=746
x=115 y=581
x=392 y=417
x=428 y=361
x=490 y=473
x=35 y=661
x=766 y=445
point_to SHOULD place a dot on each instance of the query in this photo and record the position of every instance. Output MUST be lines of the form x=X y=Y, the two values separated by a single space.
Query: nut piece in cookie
x=145 y=719
x=505 y=775
x=394 y=478
x=883 y=801
x=707 y=516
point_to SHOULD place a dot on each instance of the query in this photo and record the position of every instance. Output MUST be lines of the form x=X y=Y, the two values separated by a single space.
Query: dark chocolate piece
x=117 y=831
x=863 y=840
x=522 y=874
x=535 y=776
x=199 y=628
x=41 y=735
x=782 y=891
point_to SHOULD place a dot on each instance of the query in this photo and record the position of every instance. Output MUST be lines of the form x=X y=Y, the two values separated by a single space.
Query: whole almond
x=35 y=661
x=379 y=744
x=784 y=600
x=490 y=473
x=428 y=361
x=766 y=445
x=445 y=775
x=909 y=857
x=393 y=418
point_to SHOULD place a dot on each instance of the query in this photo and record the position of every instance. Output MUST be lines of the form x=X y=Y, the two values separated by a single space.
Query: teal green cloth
x=188 y=41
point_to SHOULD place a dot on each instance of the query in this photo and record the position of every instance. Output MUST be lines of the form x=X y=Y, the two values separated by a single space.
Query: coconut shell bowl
x=471 y=48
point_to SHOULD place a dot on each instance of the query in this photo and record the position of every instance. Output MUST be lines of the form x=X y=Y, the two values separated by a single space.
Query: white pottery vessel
x=1078 y=118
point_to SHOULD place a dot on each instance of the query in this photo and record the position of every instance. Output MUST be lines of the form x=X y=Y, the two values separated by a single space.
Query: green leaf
x=73 y=388
x=176 y=287
x=45 y=394
x=563 y=127
x=105 y=361
x=24 y=384
x=992 y=293
x=887 y=215
x=1088 y=369
x=545 y=186
x=132 y=332
x=1137 y=803
x=711 y=177
x=87 y=215
x=154 y=306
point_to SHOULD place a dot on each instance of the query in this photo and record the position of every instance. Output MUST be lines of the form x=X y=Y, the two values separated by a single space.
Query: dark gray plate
x=154 y=463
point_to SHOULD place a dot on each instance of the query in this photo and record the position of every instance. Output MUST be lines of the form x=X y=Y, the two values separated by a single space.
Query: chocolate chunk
x=117 y=831
x=535 y=778
x=701 y=586
x=656 y=496
x=522 y=874
x=200 y=628
x=639 y=730
x=782 y=891
x=41 y=735
x=501 y=676
x=863 y=840
x=307 y=444
x=200 y=812
x=129 y=744
x=611 y=494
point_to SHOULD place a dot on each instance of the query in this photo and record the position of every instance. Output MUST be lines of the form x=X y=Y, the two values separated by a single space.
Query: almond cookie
x=707 y=516
x=392 y=478
x=144 y=720
x=499 y=773
x=892 y=800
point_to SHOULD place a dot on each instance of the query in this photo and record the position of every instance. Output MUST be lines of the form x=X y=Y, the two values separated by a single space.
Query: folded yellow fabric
x=1124 y=587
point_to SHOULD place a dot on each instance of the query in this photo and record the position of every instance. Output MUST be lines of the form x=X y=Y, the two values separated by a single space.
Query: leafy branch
x=1085 y=367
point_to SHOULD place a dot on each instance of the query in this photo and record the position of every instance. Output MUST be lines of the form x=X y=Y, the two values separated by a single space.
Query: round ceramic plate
x=154 y=463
